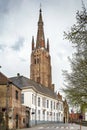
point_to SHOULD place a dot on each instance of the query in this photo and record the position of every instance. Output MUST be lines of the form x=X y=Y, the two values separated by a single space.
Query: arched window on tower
x=35 y=61
x=38 y=61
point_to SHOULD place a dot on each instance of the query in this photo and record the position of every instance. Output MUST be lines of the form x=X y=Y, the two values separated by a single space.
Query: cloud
x=18 y=44
x=22 y=59
x=2 y=47
x=19 y=18
x=4 y=6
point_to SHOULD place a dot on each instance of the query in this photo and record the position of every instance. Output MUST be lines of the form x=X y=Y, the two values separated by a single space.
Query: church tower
x=40 y=68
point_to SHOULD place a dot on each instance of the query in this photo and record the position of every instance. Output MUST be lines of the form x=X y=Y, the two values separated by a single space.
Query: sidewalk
x=78 y=127
x=44 y=126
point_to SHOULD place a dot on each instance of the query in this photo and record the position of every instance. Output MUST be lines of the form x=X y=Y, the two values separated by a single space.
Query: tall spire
x=48 y=45
x=40 y=33
x=32 y=42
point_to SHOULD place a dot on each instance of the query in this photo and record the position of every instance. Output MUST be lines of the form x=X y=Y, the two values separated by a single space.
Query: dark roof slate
x=22 y=82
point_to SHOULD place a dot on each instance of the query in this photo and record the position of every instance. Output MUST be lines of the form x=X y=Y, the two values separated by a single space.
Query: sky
x=18 y=23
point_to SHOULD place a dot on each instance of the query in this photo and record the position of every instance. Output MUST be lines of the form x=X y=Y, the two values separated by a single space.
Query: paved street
x=57 y=127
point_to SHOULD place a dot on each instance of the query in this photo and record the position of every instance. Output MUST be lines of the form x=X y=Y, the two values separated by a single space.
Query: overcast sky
x=18 y=23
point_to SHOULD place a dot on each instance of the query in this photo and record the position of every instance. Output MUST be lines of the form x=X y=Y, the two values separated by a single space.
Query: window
x=51 y=104
x=54 y=116
x=43 y=115
x=54 y=105
x=34 y=61
x=23 y=120
x=47 y=103
x=22 y=98
x=39 y=101
x=38 y=61
x=43 y=101
x=38 y=114
x=47 y=115
x=38 y=79
x=33 y=114
x=16 y=94
x=33 y=99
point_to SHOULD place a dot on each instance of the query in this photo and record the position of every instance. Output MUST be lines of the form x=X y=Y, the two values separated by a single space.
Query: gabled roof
x=3 y=79
x=24 y=82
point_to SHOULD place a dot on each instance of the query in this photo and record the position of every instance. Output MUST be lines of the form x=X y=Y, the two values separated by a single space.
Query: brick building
x=14 y=114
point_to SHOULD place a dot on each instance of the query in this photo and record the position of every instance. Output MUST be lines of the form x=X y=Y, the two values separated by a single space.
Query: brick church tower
x=40 y=68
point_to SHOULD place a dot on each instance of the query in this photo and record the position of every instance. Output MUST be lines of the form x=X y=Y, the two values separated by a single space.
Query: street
x=57 y=126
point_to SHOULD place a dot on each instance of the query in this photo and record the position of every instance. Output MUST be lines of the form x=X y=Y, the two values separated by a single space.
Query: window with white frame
x=47 y=103
x=38 y=114
x=44 y=102
x=43 y=115
x=47 y=116
x=33 y=114
x=54 y=105
x=32 y=99
x=54 y=116
x=38 y=101
x=51 y=104
x=57 y=116
x=59 y=106
x=22 y=98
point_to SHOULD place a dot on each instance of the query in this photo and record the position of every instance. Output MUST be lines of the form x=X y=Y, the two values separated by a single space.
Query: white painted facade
x=43 y=108
x=85 y=114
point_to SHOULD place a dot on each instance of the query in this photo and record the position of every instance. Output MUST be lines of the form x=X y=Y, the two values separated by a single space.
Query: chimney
x=18 y=74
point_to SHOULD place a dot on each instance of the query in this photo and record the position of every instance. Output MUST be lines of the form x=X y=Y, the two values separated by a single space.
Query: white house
x=44 y=103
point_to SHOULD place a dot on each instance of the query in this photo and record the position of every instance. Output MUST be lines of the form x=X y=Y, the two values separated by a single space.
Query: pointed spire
x=40 y=33
x=48 y=45
x=32 y=42
x=40 y=17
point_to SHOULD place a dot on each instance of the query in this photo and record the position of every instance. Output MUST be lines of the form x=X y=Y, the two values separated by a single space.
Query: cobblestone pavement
x=57 y=127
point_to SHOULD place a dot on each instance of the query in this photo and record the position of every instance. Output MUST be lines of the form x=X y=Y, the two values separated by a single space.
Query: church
x=38 y=92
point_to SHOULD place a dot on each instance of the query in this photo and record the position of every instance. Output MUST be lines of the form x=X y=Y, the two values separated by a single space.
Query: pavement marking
x=40 y=127
x=62 y=127
x=58 y=127
x=71 y=127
